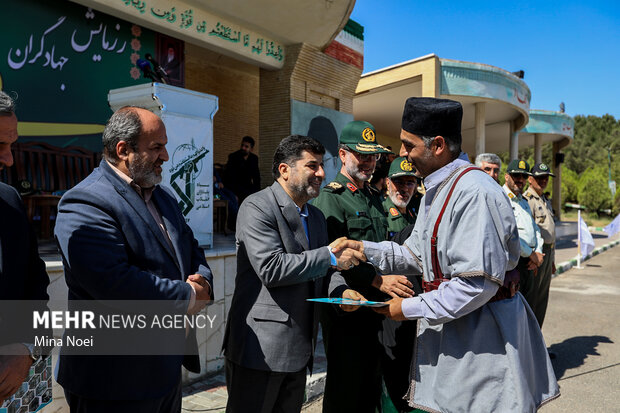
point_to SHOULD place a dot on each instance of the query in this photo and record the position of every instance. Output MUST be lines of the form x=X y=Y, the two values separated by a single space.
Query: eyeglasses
x=402 y=182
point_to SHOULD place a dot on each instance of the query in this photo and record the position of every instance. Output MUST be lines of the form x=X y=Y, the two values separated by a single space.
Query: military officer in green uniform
x=398 y=337
x=401 y=184
x=353 y=210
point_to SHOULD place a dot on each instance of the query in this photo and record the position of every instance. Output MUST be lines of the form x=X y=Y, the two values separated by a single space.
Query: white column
x=188 y=117
x=514 y=145
x=537 y=148
x=480 y=127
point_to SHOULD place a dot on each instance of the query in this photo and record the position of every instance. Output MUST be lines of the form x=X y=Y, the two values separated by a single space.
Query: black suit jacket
x=113 y=249
x=22 y=271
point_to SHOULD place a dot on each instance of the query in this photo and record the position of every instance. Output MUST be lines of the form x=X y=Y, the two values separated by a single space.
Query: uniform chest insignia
x=351 y=187
x=511 y=195
x=394 y=212
x=334 y=186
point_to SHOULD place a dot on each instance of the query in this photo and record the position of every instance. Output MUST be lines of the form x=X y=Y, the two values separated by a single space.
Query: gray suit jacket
x=270 y=325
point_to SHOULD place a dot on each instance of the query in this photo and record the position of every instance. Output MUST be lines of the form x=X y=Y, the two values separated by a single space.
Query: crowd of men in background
x=536 y=222
x=122 y=236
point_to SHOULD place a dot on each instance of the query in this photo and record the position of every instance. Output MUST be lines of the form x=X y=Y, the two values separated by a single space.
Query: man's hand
x=203 y=292
x=348 y=252
x=15 y=362
x=536 y=258
x=394 y=310
x=394 y=285
x=348 y=258
x=342 y=243
x=352 y=295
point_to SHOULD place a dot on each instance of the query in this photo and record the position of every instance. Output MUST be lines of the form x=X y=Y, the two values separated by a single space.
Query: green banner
x=59 y=60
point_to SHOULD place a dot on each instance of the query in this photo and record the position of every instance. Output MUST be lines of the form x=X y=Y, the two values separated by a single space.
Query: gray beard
x=143 y=173
x=397 y=203
x=307 y=191
x=356 y=174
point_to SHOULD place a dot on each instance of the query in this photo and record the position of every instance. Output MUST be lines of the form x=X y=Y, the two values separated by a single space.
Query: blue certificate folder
x=348 y=301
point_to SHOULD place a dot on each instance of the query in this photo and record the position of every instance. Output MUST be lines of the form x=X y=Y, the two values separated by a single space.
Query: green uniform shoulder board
x=334 y=187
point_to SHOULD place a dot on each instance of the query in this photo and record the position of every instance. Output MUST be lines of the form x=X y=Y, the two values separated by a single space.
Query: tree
x=593 y=135
x=570 y=186
x=593 y=190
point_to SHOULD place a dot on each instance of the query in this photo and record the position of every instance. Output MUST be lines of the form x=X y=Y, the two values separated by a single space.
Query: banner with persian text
x=59 y=60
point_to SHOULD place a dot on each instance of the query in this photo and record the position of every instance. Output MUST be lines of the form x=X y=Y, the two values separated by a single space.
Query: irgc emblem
x=368 y=135
x=521 y=164
x=406 y=166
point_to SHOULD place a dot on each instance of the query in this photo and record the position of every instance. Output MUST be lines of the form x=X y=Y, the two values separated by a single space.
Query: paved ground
x=582 y=328
x=566 y=248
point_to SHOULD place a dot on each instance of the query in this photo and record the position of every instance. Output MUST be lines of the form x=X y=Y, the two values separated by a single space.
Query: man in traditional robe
x=479 y=348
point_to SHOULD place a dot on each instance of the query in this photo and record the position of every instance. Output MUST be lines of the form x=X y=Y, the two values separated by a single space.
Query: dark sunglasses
x=522 y=176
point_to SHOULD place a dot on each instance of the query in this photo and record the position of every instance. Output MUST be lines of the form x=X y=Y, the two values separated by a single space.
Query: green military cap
x=541 y=169
x=401 y=167
x=359 y=136
x=518 y=166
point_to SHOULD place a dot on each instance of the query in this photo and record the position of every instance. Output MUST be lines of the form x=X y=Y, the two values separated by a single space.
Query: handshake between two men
x=350 y=253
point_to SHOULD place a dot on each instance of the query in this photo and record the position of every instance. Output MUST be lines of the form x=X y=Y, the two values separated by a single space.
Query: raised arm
x=258 y=237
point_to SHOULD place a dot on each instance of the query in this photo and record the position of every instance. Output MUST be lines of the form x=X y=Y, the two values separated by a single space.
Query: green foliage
x=589 y=148
x=594 y=192
x=589 y=158
x=570 y=186
x=502 y=173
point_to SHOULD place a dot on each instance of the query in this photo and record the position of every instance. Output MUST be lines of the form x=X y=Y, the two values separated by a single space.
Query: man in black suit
x=242 y=175
x=282 y=260
x=22 y=272
x=122 y=236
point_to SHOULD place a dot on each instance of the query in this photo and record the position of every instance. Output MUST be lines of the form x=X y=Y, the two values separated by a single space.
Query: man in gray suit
x=282 y=259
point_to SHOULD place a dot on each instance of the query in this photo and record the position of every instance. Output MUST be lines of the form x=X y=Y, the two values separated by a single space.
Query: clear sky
x=569 y=50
